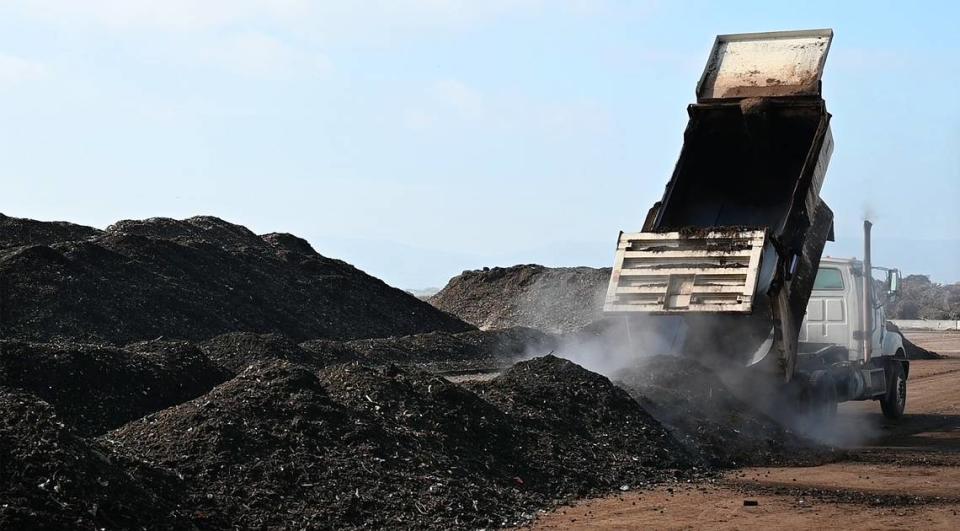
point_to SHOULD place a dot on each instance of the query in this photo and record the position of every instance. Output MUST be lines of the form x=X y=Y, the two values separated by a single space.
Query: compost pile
x=913 y=351
x=439 y=351
x=236 y=351
x=709 y=419
x=586 y=432
x=96 y=388
x=378 y=446
x=99 y=387
x=191 y=279
x=266 y=448
x=16 y=232
x=51 y=478
x=464 y=352
x=916 y=352
x=552 y=300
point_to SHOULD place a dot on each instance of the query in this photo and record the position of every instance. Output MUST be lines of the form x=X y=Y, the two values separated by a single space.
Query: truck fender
x=892 y=345
x=898 y=351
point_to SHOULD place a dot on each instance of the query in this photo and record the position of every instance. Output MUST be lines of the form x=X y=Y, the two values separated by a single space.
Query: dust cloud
x=622 y=349
x=611 y=345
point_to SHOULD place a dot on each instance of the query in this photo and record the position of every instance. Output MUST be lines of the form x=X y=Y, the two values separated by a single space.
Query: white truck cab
x=832 y=339
x=834 y=313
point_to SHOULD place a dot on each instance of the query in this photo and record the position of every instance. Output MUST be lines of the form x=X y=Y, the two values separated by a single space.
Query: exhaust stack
x=867 y=294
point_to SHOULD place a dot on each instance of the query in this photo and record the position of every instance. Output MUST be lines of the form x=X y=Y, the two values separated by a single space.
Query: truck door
x=828 y=319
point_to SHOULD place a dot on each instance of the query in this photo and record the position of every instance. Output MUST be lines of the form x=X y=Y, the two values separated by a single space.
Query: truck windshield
x=828 y=278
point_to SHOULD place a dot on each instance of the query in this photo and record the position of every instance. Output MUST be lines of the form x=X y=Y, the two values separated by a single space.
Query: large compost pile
x=440 y=351
x=96 y=388
x=586 y=431
x=378 y=446
x=16 y=232
x=554 y=300
x=444 y=352
x=51 y=478
x=191 y=279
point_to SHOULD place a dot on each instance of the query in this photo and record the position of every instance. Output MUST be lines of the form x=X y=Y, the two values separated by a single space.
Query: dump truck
x=727 y=261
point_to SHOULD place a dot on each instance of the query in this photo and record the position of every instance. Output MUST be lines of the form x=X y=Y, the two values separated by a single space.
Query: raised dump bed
x=751 y=163
x=740 y=228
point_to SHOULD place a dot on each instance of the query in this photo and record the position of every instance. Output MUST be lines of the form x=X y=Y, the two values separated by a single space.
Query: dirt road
x=902 y=475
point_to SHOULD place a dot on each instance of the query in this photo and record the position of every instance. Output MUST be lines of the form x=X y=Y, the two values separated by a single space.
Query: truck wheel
x=894 y=402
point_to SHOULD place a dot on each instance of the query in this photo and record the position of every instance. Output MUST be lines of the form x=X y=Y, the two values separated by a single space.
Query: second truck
x=727 y=267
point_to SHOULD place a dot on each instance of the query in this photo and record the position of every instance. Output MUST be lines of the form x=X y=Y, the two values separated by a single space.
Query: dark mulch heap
x=463 y=467
x=709 y=419
x=385 y=447
x=269 y=448
x=50 y=478
x=588 y=435
x=439 y=351
x=434 y=351
x=98 y=388
x=238 y=350
x=192 y=279
x=16 y=232
x=560 y=299
x=312 y=443
x=913 y=350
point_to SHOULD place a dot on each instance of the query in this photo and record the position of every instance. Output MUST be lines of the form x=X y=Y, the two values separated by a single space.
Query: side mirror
x=893 y=281
x=893 y=285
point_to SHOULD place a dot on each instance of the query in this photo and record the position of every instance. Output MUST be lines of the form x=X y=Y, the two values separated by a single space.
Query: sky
x=419 y=138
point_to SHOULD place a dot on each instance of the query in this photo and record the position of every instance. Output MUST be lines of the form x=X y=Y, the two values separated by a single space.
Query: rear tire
x=895 y=400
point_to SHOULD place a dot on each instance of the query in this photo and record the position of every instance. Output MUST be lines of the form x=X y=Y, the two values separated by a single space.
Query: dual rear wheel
x=819 y=397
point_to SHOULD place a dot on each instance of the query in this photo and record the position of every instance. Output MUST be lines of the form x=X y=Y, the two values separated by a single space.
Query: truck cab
x=831 y=337
x=835 y=311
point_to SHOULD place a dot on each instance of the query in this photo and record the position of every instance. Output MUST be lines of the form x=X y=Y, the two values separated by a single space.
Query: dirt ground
x=903 y=475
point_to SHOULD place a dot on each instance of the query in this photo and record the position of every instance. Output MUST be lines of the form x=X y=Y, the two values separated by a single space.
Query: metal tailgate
x=780 y=63
x=669 y=272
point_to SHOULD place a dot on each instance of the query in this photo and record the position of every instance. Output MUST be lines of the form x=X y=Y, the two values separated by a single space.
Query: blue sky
x=418 y=138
